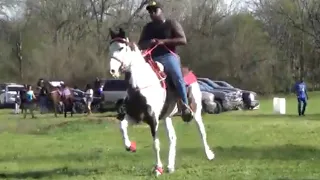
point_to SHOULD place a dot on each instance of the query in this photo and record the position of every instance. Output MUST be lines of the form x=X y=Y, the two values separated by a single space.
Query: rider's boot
x=186 y=113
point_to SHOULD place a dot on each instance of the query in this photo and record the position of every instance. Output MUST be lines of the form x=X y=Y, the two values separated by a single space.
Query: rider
x=167 y=34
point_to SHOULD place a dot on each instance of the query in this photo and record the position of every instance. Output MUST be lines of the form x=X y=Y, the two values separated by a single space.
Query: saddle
x=188 y=75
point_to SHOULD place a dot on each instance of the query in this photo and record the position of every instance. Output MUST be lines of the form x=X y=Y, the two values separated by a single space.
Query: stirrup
x=187 y=106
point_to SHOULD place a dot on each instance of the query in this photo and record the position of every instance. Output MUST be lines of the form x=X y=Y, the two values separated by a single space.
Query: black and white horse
x=148 y=101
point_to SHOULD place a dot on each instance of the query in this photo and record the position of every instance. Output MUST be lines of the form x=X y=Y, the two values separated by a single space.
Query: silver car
x=8 y=93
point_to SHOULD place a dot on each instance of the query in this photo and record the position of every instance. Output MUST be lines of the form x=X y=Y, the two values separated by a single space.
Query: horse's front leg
x=130 y=146
x=172 y=144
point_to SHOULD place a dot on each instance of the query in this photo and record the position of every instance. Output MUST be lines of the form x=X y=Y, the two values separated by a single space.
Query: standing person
x=17 y=103
x=167 y=34
x=23 y=100
x=89 y=97
x=302 y=96
x=97 y=86
x=29 y=104
x=43 y=98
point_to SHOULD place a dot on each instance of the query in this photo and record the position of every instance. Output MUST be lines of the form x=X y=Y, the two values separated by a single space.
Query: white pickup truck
x=8 y=93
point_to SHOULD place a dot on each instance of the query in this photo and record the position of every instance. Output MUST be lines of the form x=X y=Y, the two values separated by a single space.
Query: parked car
x=249 y=98
x=209 y=105
x=8 y=92
x=113 y=95
x=227 y=98
x=217 y=86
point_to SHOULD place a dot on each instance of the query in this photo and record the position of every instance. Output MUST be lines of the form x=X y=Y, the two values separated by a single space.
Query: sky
x=12 y=13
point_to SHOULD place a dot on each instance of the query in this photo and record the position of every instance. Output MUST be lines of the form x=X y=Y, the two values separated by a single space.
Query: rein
x=121 y=40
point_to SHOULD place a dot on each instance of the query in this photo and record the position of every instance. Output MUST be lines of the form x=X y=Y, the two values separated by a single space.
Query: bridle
x=126 y=42
x=144 y=54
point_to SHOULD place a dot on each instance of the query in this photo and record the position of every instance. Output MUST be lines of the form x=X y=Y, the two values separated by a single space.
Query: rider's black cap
x=154 y=4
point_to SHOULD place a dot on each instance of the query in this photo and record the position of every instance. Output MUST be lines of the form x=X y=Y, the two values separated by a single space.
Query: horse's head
x=120 y=51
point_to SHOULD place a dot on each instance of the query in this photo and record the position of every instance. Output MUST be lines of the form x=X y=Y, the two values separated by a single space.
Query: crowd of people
x=29 y=98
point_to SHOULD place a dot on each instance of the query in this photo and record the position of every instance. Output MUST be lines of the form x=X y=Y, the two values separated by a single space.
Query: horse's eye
x=120 y=49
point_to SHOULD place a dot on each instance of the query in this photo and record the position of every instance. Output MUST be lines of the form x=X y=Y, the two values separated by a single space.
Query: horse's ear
x=112 y=34
x=122 y=33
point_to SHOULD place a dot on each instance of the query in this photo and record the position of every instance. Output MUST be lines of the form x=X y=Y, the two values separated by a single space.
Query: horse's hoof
x=210 y=155
x=158 y=171
x=133 y=147
x=187 y=117
x=170 y=170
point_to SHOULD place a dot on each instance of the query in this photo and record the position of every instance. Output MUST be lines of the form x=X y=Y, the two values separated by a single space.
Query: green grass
x=248 y=145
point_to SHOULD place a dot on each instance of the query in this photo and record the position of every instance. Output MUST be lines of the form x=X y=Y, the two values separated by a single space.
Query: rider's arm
x=144 y=42
x=178 y=33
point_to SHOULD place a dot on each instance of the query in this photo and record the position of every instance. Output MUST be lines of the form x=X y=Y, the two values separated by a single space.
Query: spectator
x=30 y=97
x=43 y=98
x=302 y=96
x=22 y=94
x=89 y=97
x=96 y=87
x=17 y=103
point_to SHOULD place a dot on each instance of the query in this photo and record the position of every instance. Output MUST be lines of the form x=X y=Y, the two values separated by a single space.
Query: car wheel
x=79 y=107
x=208 y=107
x=95 y=108
x=218 y=108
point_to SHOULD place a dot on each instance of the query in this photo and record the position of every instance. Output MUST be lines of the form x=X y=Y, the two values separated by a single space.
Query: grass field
x=248 y=145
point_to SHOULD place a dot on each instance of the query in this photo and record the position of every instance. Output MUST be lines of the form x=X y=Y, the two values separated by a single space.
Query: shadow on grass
x=95 y=154
x=314 y=117
x=48 y=173
x=285 y=152
x=44 y=129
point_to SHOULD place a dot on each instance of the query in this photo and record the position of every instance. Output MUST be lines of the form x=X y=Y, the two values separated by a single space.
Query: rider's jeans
x=172 y=68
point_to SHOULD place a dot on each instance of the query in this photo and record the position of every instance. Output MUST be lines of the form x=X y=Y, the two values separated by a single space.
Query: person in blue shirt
x=302 y=96
x=30 y=97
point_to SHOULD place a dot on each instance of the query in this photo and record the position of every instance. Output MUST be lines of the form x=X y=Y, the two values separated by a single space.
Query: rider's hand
x=153 y=41
x=157 y=41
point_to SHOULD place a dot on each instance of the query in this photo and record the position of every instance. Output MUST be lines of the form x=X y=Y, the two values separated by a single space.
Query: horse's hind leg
x=154 y=124
x=130 y=146
x=55 y=109
x=202 y=131
x=172 y=144
x=197 y=99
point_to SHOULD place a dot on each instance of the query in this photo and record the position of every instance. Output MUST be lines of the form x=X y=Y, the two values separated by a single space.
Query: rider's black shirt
x=159 y=30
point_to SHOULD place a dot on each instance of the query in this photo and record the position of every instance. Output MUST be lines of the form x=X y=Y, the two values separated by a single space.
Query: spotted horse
x=150 y=99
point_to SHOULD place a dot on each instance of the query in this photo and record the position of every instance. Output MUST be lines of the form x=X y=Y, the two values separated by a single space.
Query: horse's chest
x=136 y=106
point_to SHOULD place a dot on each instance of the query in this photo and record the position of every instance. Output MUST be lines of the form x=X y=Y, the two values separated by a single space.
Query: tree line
x=261 y=45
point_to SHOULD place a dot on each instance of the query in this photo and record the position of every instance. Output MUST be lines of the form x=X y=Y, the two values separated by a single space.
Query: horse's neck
x=142 y=74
